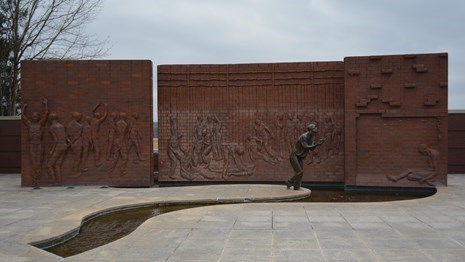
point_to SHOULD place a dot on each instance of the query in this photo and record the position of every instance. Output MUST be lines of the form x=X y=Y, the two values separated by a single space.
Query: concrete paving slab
x=349 y=255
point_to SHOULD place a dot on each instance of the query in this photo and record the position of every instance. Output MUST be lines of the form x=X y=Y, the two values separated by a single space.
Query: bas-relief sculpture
x=61 y=143
x=422 y=175
x=35 y=127
x=86 y=142
x=135 y=137
x=84 y=137
x=264 y=134
x=192 y=155
x=95 y=123
x=233 y=161
x=76 y=140
x=75 y=130
x=119 y=151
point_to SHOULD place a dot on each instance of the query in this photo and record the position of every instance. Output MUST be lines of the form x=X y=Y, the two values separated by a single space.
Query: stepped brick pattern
x=87 y=123
x=394 y=107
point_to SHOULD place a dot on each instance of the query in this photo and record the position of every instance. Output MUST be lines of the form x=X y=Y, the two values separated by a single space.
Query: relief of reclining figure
x=425 y=175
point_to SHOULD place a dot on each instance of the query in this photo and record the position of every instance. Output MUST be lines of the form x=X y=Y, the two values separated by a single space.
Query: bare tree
x=5 y=64
x=45 y=29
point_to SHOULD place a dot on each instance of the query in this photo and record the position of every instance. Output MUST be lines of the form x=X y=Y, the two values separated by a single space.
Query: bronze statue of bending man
x=299 y=151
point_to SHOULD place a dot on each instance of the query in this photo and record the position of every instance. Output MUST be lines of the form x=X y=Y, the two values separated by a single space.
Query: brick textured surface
x=384 y=118
x=99 y=117
x=10 y=146
x=393 y=106
x=239 y=122
x=456 y=162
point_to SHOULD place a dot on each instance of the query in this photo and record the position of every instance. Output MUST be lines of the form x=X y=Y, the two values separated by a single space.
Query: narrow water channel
x=109 y=227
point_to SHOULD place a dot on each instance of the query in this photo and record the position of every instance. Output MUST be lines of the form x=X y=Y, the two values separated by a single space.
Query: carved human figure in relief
x=233 y=162
x=95 y=123
x=216 y=138
x=280 y=138
x=290 y=127
x=111 y=135
x=86 y=142
x=199 y=145
x=300 y=124
x=255 y=151
x=34 y=126
x=300 y=150
x=200 y=127
x=75 y=129
x=425 y=175
x=330 y=136
x=118 y=138
x=134 y=136
x=120 y=141
x=58 y=151
x=263 y=133
x=174 y=146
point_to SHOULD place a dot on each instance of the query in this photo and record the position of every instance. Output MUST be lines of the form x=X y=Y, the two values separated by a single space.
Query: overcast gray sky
x=262 y=31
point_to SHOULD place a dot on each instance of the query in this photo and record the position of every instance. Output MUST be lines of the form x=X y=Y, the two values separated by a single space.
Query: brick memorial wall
x=384 y=119
x=87 y=123
x=238 y=122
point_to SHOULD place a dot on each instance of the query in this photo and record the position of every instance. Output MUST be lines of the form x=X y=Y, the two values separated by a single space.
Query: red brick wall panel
x=86 y=87
x=217 y=114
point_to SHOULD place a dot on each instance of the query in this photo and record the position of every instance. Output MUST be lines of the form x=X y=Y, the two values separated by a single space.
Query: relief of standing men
x=35 y=126
x=119 y=150
x=134 y=136
x=75 y=131
x=95 y=123
x=263 y=135
x=61 y=143
x=213 y=137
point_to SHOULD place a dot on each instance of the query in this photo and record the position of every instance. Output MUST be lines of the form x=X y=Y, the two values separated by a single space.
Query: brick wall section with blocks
x=239 y=122
x=384 y=118
x=87 y=123
x=396 y=120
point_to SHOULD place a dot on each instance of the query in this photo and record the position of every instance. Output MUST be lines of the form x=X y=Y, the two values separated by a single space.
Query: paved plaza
x=426 y=229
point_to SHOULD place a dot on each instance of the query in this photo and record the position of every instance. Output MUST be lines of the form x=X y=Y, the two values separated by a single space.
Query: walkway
x=428 y=229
